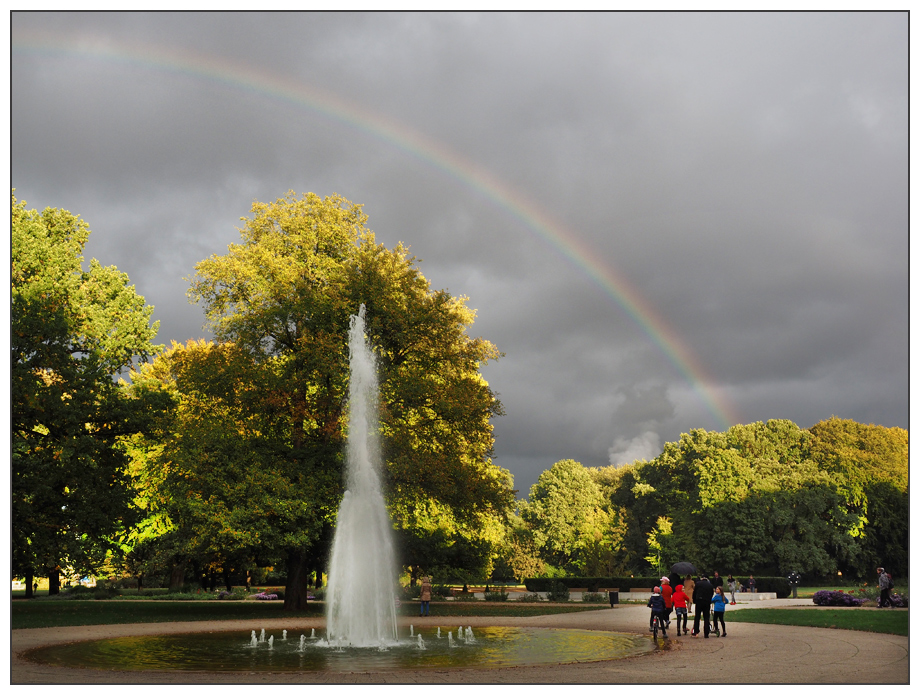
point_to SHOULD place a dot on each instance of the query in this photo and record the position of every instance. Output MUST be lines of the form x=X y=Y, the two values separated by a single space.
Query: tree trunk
x=298 y=578
x=177 y=577
x=54 y=581
x=227 y=579
x=29 y=579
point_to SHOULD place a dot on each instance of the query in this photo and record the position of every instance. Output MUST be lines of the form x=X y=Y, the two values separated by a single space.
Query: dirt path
x=751 y=653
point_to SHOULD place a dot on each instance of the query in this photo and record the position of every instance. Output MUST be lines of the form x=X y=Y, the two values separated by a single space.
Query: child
x=656 y=603
x=718 y=610
x=667 y=595
x=680 y=606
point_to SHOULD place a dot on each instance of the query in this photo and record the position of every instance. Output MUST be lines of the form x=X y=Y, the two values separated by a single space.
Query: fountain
x=361 y=595
x=361 y=626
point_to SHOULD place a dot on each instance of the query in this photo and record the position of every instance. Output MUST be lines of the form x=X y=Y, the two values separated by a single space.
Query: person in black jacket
x=656 y=603
x=702 y=598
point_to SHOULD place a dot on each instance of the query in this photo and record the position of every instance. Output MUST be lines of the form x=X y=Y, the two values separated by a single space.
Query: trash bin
x=614 y=597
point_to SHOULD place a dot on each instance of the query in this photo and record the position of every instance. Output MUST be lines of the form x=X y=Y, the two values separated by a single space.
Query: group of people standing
x=706 y=596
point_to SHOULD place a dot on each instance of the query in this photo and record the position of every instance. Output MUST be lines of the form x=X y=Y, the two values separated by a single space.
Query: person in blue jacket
x=718 y=610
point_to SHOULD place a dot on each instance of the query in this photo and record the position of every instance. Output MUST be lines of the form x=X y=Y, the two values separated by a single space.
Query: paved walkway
x=751 y=653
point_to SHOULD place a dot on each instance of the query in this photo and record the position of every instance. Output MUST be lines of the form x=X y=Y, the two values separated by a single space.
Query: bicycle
x=658 y=622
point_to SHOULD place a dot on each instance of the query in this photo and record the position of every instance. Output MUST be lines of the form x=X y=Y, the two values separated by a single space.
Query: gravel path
x=751 y=653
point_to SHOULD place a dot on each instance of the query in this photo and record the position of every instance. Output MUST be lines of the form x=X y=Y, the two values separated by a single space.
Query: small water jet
x=495 y=647
x=361 y=594
x=284 y=634
x=271 y=642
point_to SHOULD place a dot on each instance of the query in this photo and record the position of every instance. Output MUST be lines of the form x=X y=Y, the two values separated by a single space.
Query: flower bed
x=262 y=596
x=836 y=598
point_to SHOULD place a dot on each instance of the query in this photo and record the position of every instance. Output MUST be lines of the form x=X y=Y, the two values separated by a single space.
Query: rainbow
x=431 y=153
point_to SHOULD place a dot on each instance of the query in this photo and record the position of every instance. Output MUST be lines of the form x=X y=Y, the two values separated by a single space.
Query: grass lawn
x=893 y=622
x=26 y=614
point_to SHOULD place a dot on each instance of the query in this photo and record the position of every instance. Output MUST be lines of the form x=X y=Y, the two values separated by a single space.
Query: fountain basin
x=232 y=651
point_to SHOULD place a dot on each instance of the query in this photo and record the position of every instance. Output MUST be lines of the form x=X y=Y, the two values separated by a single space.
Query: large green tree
x=561 y=510
x=284 y=296
x=219 y=471
x=874 y=462
x=772 y=497
x=72 y=331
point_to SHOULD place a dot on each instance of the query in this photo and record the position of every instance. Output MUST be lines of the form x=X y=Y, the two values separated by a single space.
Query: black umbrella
x=683 y=568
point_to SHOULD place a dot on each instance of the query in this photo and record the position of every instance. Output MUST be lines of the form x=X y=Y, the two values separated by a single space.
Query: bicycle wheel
x=655 y=628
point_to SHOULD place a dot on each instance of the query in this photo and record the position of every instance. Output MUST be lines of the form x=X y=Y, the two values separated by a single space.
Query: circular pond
x=486 y=647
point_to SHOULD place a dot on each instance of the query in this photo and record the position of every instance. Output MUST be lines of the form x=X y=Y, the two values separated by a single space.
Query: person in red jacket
x=680 y=606
x=667 y=594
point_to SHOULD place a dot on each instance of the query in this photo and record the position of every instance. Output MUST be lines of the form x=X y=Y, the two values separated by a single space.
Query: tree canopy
x=279 y=305
x=72 y=331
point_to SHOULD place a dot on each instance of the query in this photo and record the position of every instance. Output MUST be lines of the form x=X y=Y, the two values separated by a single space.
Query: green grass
x=893 y=622
x=27 y=614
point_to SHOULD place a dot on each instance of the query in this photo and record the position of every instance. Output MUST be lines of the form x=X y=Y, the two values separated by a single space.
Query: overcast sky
x=665 y=221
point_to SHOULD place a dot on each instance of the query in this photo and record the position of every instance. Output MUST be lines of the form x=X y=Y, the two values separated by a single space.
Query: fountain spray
x=362 y=571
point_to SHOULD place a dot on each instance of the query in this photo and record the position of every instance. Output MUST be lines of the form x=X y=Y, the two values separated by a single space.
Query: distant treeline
x=764 y=498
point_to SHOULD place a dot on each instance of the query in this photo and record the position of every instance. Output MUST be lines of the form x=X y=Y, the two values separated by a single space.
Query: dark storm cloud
x=745 y=173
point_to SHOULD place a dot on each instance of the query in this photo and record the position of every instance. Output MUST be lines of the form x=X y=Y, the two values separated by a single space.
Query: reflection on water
x=233 y=651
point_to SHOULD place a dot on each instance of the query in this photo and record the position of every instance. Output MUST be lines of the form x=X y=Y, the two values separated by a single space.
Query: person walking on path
x=702 y=598
x=718 y=610
x=425 y=596
x=680 y=607
x=732 y=587
x=667 y=594
x=689 y=585
x=884 y=588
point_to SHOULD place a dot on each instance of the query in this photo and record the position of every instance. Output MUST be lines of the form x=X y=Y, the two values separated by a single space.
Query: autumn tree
x=72 y=331
x=560 y=510
x=284 y=296
x=874 y=462
x=219 y=475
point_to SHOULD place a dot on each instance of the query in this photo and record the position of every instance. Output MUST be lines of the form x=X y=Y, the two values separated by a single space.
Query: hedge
x=778 y=585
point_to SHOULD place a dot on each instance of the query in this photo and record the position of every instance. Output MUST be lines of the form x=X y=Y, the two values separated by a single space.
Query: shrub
x=836 y=598
x=593 y=597
x=558 y=592
x=410 y=592
x=899 y=600
x=465 y=597
x=529 y=598
x=262 y=596
x=238 y=594
x=496 y=596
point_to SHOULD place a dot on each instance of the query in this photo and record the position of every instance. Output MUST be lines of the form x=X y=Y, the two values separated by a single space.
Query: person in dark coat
x=884 y=588
x=702 y=599
x=656 y=603
x=716 y=581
